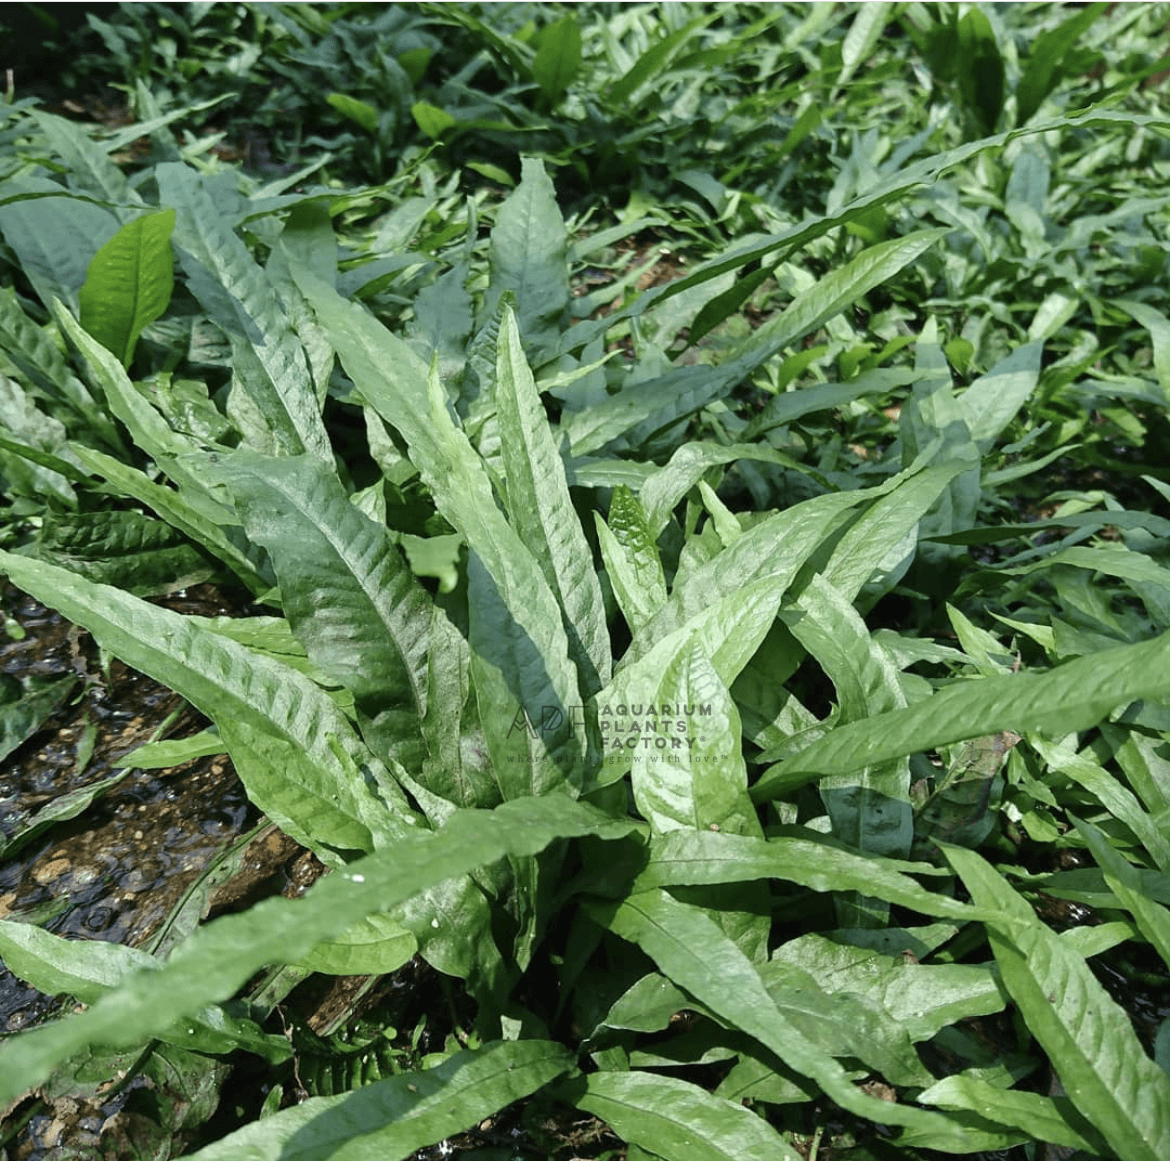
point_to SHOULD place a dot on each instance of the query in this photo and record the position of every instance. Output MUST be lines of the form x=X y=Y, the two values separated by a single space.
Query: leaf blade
x=128 y=283
x=1087 y=1035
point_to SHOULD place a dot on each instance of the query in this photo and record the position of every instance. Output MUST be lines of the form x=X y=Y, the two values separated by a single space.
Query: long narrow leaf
x=701 y=857
x=233 y=685
x=1087 y=1035
x=272 y=370
x=870 y=809
x=675 y=1119
x=346 y=588
x=542 y=512
x=1071 y=697
x=1125 y=882
x=516 y=627
x=221 y=956
x=394 y=1118
x=691 y=951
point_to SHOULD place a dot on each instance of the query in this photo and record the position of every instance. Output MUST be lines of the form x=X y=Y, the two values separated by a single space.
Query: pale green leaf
x=1070 y=697
x=346 y=589
x=1125 y=882
x=1088 y=1037
x=392 y=1119
x=373 y=946
x=677 y=1120
x=241 y=690
x=631 y=558
x=1036 y=1117
x=701 y=857
x=541 y=510
x=271 y=369
x=691 y=951
x=529 y=257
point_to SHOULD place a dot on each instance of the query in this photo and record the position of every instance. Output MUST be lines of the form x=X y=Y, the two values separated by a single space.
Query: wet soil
x=127 y=867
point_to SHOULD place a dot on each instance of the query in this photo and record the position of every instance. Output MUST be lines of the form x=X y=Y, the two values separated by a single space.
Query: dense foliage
x=705 y=506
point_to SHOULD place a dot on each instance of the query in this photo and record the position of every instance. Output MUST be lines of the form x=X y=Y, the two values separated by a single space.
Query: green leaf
x=373 y=946
x=631 y=558
x=691 y=858
x=1043 y=71
x=458 y=768
x=361 y=112
x=432 y=120
x=22 y=718
x=644 y=409
x=239 y=690
x=529 y=257
x=1125 y=882
x=667 y=485
x=196 y=522
x=346 y=589
x=128 y=283
x=869 y=809
x=922 y=998
x=71 y=804
x=991 y=402
x=1088 y=1037
x=149 y=430
x=772 y=550
x=675 y=1119
x=392 y=1119
x=865 y=31
x=516 y=627
x=173 y=751
x=728 y=631
x=724 y=305
x=1120 y=802
x=1063 y=700
x=558 y=59
x=1158 y=325
x=273 y=397
x=137 y=553
x=90 y=969
x=90 y=166
x=981 y=69
x=693 y=953
x=1040 y=1118
x=843 y=1024
x=223 y=954
x=35 y=352
x=54 y=237
x=443 y=322
x=541 y=510
x=653 y=61
x=695 y=781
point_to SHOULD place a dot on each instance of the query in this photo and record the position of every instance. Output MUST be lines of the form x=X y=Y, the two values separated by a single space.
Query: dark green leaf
x=558 y=59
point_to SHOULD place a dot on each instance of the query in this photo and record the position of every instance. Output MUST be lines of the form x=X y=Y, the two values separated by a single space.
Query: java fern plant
x=518 y=734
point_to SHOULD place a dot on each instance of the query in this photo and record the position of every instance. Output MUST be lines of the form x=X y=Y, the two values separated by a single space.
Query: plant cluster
x=705 y=673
